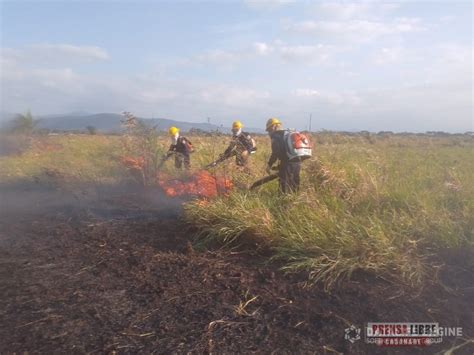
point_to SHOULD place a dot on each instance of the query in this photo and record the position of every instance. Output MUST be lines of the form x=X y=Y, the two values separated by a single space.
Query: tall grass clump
x=142 y=151
x=372 y=207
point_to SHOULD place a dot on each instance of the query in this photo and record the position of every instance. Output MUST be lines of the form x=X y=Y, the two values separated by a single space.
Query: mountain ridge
x=111 y=123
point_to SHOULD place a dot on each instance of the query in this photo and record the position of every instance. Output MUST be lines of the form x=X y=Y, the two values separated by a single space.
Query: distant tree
x=91 y=130
x=24 y=123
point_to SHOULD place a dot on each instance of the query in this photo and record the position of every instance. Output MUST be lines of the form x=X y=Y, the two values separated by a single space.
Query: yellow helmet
x=173 y=130
x=272 y=122
x=237 y=125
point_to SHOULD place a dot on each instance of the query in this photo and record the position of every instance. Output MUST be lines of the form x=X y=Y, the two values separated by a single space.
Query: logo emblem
x=352 y=334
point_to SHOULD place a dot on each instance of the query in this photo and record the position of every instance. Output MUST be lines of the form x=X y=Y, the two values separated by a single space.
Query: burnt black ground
x=95 y=269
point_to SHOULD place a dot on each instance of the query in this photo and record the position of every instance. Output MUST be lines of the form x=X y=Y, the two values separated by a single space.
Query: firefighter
x=241 y=146
x=181 y=147
x=288 y=172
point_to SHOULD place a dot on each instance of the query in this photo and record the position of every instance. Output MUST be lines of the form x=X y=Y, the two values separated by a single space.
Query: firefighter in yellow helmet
x=181 y=147
x=241 y=146
x=288 y=171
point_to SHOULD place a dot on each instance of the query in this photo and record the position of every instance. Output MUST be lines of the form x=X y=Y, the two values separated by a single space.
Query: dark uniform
x=241 y=146
x=289 y=172
x=182 y=149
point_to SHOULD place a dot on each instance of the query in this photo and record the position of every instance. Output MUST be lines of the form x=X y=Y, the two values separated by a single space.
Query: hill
x=111 y=123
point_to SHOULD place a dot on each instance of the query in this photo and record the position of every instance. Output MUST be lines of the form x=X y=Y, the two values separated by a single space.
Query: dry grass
x=382 y=206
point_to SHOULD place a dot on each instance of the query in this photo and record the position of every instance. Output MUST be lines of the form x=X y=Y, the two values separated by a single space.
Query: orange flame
x=133 y=163
x=201 y=184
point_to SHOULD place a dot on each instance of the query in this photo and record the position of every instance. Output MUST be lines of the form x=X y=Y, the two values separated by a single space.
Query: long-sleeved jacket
x=241 y=142
x=181 y=146
x=278 y=148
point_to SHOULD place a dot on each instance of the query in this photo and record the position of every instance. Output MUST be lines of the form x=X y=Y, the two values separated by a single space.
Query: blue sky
x=373 y=65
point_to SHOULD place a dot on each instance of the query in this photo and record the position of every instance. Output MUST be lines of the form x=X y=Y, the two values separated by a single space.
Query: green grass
x=86 y=158
x=383 y=207
x=388 y=206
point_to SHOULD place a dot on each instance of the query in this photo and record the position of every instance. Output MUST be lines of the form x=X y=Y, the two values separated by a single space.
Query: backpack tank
x=298 y=146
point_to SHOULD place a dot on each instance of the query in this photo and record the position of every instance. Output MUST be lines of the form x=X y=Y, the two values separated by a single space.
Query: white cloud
x=353 y=10
x=449 y=62
x=155 y=95
x=390 y=55
x=221 y=56
x=14 y=69
x=49 y=55
x=447 y=19
x=307 y=92
x=360 y=30
x=232 y=96
x=421 y=107
x=55 y=78
x=332 y=98
x=438 y=96
x=308 y=54
x=262 y=48
x=446 y=106
x=55 y=90
x=267 y=4
x=440 y=62
x=86 y=52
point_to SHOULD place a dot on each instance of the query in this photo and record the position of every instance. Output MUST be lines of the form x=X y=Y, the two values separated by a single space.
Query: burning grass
x=201 y=184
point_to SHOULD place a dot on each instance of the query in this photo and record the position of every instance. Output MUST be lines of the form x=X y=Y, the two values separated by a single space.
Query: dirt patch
x=115 y=270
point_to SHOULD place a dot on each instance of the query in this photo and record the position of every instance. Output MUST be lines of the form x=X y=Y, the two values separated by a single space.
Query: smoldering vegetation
x=121 y=200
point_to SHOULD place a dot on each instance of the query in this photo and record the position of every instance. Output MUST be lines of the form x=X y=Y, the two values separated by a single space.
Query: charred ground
x=95 y=269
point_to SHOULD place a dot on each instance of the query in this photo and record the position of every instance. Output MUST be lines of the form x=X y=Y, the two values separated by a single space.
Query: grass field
x=389 y=205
